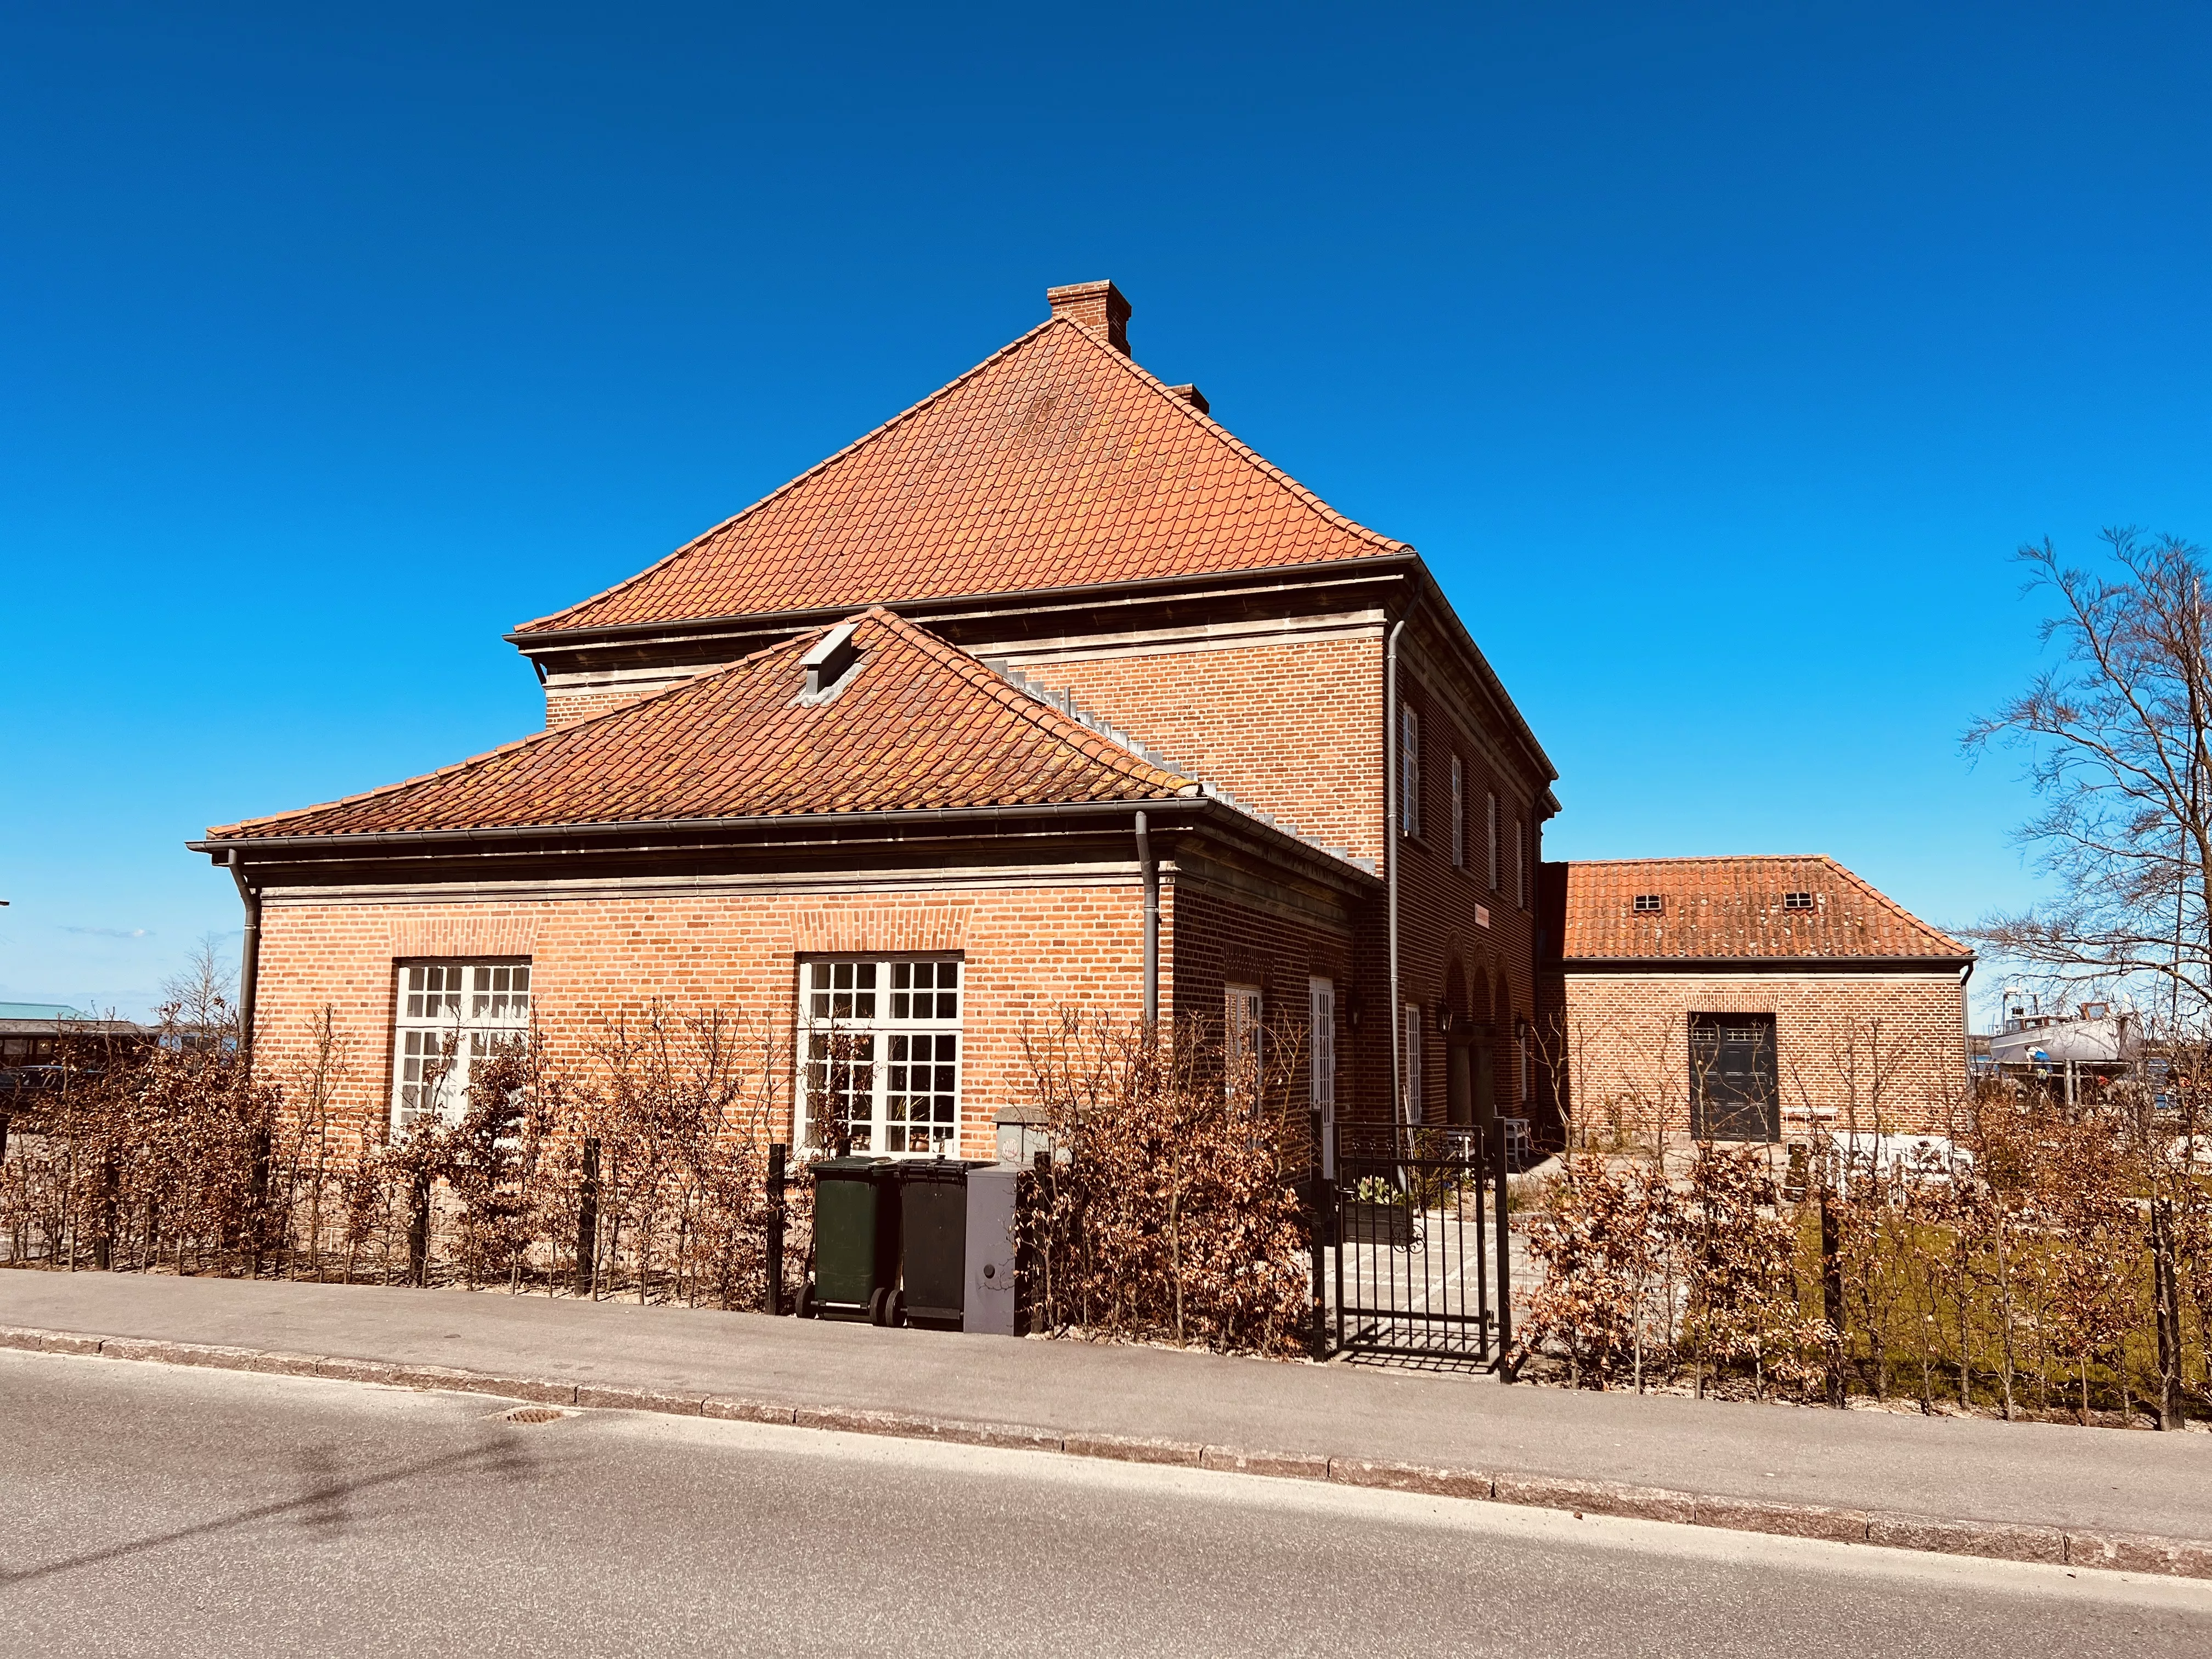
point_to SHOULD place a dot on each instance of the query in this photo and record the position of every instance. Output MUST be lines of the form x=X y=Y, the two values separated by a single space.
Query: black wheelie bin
x=933 y=1238
x=856 y=1242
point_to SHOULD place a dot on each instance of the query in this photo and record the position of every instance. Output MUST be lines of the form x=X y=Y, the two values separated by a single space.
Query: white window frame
x=1320 y=1066
x=1321 y=1062
x=1459 y=814
x=448 y=1012
x=1412 y=1063
x=869 y=1005
x=1241 y=1013
x=1409 y=773
x=1490 y=799
x=1520 y=861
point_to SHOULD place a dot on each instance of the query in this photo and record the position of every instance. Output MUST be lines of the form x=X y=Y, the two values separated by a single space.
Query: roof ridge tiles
x=1064 y=703
x=1118 y=773
x=984 y=678
x=492 y=754
x=1728 y=905
x=792 y=483
x=1245 y=451
x=1047 y=462
x=1710 y=857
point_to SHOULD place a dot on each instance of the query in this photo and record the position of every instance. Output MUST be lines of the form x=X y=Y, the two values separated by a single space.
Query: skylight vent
x=830 y=660
x=1796 y=901
x=1648 y=904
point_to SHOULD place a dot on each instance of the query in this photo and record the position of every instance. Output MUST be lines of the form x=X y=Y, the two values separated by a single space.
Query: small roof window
x=1796 y=901
x=1648 y=904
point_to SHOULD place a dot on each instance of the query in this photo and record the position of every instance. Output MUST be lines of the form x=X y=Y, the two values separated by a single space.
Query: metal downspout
x=1151 y=877
x=249 y=954
x=1390 y=786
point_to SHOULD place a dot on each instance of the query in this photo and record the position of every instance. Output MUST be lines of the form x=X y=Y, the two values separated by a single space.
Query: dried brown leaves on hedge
x=641 y=1172
x=2056 y=1259
x=1170 y=1210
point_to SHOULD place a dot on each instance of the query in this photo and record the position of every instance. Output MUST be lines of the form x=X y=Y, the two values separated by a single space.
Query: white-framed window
x=1521 y=862
x=883 y=1051
x=1459 y=814
x=1412 y=1062
x=1409 y=773
x=1240 y=1029
x=1491 y=808
x=1320 y=1084
x=1320 y=1064
x=449 y=1015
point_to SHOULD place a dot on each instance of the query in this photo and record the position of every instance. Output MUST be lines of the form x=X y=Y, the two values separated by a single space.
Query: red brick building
x=1745 y=998
x=1047 y=694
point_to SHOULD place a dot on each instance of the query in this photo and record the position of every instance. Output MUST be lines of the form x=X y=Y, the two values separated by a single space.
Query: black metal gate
x=1422 y=1249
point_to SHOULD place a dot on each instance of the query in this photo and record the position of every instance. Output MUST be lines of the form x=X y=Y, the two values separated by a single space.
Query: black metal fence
x=1418 y=1231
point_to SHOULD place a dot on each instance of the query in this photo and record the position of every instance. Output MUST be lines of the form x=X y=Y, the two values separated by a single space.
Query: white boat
x=2094 y=1034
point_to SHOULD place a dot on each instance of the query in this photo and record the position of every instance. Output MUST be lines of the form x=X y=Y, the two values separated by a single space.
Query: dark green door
x=1734 y=1094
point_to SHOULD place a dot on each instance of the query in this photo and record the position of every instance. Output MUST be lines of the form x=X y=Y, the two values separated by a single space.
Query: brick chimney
x=1098 y=307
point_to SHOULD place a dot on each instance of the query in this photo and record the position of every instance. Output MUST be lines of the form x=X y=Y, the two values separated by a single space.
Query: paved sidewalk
x=2029 y=1474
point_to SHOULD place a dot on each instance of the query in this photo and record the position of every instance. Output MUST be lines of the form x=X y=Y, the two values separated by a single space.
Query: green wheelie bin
x=856 y=1243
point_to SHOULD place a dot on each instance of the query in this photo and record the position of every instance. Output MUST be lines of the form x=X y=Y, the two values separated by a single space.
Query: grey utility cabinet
x=989 y=1307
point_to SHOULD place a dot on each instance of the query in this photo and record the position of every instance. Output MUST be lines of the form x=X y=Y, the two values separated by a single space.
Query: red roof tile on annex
x=1717 y=908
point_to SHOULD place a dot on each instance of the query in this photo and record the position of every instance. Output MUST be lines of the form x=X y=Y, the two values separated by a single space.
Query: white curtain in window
x=1412 y=1062
x=1409 y=773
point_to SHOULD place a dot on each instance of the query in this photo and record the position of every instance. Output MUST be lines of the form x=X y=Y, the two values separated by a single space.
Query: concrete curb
x=2116 y=1552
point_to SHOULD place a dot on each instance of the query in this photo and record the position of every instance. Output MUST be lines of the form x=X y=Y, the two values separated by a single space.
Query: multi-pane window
x=1320 y=1019
x=1521 y=862
x=1321 y=1067
x=883 y=1053
x=1491 y=830
x=1409 y=773
x=1459 y=815
x=1240 y=1032
x=451 y=1014
x=1412 y=1062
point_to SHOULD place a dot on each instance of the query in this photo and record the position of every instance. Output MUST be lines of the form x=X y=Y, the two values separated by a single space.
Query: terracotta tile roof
x=1057 y=462
x=1734 y=907
x=917 y=723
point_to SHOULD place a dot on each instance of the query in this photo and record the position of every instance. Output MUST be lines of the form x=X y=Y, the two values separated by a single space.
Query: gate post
x=772 y=1290
x=1504 y=1259
x=1323 y=1194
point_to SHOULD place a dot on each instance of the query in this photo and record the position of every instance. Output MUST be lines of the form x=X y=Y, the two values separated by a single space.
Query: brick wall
x=1213 y=942
x=1852 y=1050
x=1297 y=730
x=566 y=705
x=567 y=708
x=1028 y=950
x=1293 y=729
x=1463 y=944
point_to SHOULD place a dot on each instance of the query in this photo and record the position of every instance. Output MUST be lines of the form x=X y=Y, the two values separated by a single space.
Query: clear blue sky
x=1716 y=357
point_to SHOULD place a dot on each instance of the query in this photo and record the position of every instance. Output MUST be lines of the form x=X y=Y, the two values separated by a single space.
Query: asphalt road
x=147 y=1509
